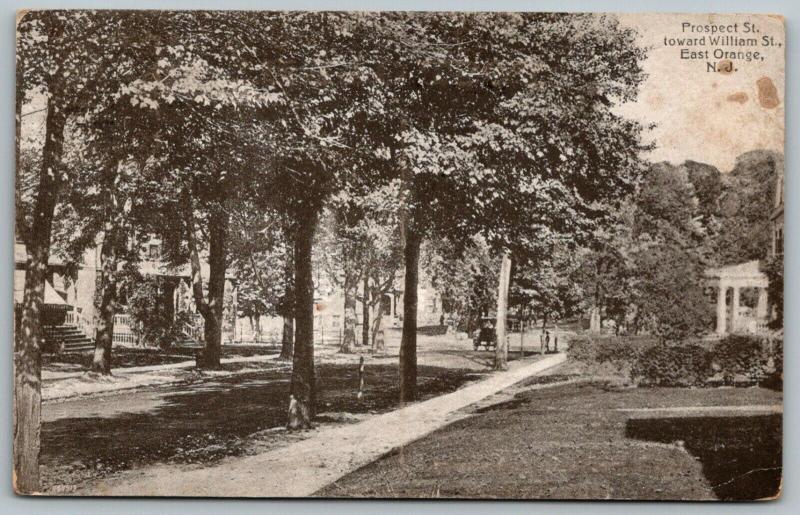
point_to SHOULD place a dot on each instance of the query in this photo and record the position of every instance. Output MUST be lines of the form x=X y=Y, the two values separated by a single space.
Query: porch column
x=735 y=310
x=721 y=308
x=762 y=307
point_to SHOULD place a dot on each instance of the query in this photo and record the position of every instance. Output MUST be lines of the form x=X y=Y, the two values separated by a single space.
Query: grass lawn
x=590 y=441
x=200 y=424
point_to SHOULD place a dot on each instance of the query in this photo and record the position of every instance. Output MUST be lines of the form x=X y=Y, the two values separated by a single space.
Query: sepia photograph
x=396 y=255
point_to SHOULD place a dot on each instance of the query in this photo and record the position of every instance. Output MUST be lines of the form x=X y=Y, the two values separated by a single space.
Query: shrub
x=153 y=324
x=609 y=349
x=582 y=349
x=617 y=354
x=673 y=365
x=777 y=356
x=650 y=363
x=756 y=357
x=774 y=378
x=623 y=351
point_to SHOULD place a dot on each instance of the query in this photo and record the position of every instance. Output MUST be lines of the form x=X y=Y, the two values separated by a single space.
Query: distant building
x=329 y=312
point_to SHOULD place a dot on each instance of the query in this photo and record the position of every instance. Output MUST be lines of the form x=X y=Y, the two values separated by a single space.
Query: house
x=329 y=312
x=72 y=295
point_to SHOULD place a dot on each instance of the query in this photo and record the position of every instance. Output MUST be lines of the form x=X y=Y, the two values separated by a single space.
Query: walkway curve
x=304 y=467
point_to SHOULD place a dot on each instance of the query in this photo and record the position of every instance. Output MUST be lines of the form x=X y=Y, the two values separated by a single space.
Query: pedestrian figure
x=547 y=341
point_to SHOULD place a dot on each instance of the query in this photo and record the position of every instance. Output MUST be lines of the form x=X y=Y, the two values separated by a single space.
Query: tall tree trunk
x=501 y=350
x=408 y=342
x=303 y=385
x=287 y=339
x=350 y=319
x=287 y=342
x=27 y=351
x=365 y=312
x=211 y=309
x=378 y=335
x=217 y=257
x=105 y=297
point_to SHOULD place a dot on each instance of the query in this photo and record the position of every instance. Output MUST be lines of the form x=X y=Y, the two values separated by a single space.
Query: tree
x=745 y=205
x=647 y=267
x=502 y=305
x=465 y=281
x=103 y=204
x=529 y=160
x=342 y=259
x=669 y=269
x=548 y=286
x=315 y=156
x=358 y=242
x=211 y=123
x=72 y=59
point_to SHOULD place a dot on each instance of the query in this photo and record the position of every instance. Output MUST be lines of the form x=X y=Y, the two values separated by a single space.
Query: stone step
x=67 y=337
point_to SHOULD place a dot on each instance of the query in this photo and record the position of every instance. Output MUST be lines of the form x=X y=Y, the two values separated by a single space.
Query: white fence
x=123 y=332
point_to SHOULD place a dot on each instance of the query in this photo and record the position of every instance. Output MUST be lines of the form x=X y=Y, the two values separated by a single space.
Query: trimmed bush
x=755 y=357
x=582 y=349
x=774 y=378
x=624 y=351
x=617 y=350
x=673 y=365
x=648 y=362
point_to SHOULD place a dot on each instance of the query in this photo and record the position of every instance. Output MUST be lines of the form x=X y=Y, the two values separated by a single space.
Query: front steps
x=67 y=338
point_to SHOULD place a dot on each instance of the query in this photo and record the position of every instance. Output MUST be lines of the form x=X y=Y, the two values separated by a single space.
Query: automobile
x=486 y=336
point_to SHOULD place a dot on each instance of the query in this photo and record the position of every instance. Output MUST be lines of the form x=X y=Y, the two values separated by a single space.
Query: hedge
x=673 y=365
x=740 y=355
x=648 y=362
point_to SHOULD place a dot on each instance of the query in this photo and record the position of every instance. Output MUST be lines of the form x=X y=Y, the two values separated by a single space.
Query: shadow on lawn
x=741 y=456
x=206 y=422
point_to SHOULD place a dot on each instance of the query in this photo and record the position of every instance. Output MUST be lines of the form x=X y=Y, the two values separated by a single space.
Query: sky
x=709 y=117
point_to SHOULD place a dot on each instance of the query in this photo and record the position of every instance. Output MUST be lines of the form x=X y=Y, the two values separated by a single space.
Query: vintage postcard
x=399 y=255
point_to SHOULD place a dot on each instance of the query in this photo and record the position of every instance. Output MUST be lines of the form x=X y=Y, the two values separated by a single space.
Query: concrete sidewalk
x=304 y=467
x=68 y=385
x=51 y=376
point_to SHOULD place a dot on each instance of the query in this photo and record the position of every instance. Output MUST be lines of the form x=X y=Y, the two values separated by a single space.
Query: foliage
x=742 y=355
x=545 y=284
x=649 y=362
x=259 y=257
x=620 y=352
x=685 y=364
x=151 y=322
x=746 y=204
x=466 y=281
x=645 y=269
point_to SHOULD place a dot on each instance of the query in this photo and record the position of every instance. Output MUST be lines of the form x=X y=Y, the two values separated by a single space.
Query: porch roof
x=746 y=274
x=51 y=296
